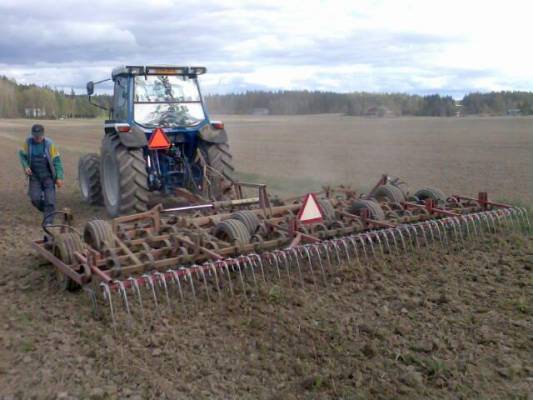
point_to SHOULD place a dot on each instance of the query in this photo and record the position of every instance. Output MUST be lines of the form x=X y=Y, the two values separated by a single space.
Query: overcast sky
x=413 y=46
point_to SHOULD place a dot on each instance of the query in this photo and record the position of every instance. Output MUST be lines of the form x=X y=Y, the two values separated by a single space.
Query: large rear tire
x=124 y=178
x=89 y=179
x=221 y=171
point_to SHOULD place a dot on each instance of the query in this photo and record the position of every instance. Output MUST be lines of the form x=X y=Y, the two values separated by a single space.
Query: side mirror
x=90 y=88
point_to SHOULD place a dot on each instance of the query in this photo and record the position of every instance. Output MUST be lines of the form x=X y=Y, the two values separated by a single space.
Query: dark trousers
x=43 y=197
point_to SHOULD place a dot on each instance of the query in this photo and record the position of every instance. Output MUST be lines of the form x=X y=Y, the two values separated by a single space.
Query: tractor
x=158 y=139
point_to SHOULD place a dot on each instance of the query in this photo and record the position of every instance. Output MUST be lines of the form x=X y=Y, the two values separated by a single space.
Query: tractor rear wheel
x=124 y=178
x=89 y=178
x=220 y=168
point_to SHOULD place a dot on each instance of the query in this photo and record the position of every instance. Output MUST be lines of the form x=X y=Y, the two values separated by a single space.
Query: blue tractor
x=158 y=139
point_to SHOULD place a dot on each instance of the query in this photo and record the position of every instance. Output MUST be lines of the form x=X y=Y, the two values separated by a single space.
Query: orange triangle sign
x=310 y=211
x=158 y=140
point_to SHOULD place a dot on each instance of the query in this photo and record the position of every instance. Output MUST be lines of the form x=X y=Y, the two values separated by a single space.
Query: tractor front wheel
x=124 y=178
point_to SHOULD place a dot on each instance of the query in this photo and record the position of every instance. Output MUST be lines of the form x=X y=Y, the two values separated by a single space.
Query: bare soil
x=444 y=323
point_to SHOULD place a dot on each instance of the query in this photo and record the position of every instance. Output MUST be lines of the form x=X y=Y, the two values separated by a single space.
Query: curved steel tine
x=434 y=223
x=386 y=240
x=226 y=268
x=521 y=215
x=389 y=230
x=238 y=264
x=485 y=219
x=471 y=219
x=337 y=250
x=526 y=219
x=346 y=250
x=122 y=291
x=296 y=257
x=367 y=236
x=202 y=272
x=491 y=218
x=107 y=296
x=276 y=262
x=163 y=284
x=421 y=226
x=177 y=281
x=399 y=230
x=512 y=216
x=260 y=262
x=135 y=286
x=356 y=252
x=287 y=264
x=409 y=227
x=380 y=245
x=460 y=230
x=315 y=247
x=477 y=217
x=305 y=248
x=325 y=247
x=148 y=278
x=445 y=225
x=465 y=220
x=188 y=274
x=213 y=269
x=251 y=266
x=360 y=237
x=430 y=228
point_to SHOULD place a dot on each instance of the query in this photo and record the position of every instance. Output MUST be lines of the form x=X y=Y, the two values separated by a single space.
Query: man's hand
x=27 y=170
x=59 y=182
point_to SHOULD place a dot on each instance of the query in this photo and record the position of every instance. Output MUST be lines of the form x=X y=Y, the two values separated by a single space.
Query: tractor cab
x=157 y=116
x=159 y=97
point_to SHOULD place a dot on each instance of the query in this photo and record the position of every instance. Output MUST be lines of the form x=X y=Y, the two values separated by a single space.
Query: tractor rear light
x=124 y=128
x=217 y=124
x=158 y=140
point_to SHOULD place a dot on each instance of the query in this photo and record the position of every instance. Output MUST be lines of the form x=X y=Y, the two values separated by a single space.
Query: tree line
x=17 y=100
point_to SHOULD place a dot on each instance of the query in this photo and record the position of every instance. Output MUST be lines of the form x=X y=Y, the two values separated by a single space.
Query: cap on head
x=37 y=130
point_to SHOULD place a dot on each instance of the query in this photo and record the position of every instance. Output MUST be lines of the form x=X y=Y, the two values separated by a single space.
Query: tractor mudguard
x=134 y=138
x=212 y=135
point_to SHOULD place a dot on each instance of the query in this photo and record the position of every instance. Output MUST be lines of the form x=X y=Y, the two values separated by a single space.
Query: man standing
x=41 y=162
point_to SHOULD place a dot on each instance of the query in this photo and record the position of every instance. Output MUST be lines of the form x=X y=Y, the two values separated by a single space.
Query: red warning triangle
x=158 y=140
x=310 y=211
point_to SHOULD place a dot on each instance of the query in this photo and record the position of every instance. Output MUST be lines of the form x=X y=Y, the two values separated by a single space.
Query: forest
x=31 y=101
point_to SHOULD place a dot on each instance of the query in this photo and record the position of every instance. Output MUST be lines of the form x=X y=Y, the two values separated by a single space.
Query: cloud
x=381 y=45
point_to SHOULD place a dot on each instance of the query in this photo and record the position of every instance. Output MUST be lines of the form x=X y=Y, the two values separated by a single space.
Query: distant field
x=297 y=153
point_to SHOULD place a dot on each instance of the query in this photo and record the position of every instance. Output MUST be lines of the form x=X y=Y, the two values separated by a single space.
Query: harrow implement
x=165 y=259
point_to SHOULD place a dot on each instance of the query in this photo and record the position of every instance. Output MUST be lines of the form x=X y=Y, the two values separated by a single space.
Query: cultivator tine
x=296 y=255
x=188 y=274
x=107 y=296
x=150 y=280
x=256 y=259
x=319 y=258
x=356 y=252
x=137 y=290
x=376 y=235
x=238 y=265
x=310 y=261
x=213 y=269
x=251 y=266
x=324 y=246
x=163 y=283
x=399 y=230
x=124 y=295
x=346 y=250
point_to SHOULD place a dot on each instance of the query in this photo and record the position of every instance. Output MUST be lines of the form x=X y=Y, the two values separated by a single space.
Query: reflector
x=158 y=140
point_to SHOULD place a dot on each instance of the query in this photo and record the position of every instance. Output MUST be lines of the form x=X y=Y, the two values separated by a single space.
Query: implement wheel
x=249 y=219
x=375 y=211
x=220 y=168
x=430 y=193
x=232 y=231
x=89 y=179
x=65 y=244
x=124 y=178
x=97 y=234
x=389 y=193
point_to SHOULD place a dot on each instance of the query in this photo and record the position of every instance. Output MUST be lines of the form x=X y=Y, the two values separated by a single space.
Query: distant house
x=34 y=112
x=379 y=111
x=514 y=112
x=260 y=111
